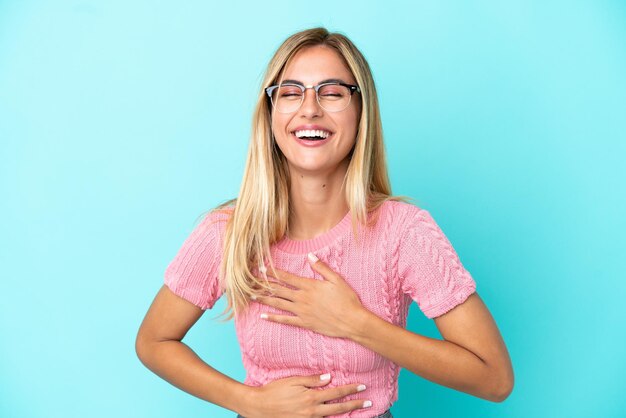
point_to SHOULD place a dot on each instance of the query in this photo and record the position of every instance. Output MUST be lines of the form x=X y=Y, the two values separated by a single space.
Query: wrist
x=248 y=400
x=359 y=324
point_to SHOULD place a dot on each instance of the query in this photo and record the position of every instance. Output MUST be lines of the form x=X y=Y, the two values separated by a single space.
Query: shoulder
x=219 y=215
x=404 y=219
x=211 y=224
x=399 y=207
x=401 y=213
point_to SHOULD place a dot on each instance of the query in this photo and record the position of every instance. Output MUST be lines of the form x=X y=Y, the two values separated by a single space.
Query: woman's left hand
x=329 y=306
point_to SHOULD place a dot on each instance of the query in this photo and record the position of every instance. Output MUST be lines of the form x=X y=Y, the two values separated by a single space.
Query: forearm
x=439 y=361
x=178 y=364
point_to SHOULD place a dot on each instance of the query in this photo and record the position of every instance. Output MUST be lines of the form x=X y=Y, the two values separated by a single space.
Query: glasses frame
x=353 y=89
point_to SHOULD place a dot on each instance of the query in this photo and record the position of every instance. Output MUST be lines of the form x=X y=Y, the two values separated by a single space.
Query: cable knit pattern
x=385 y=286
x=445 y=282
x=193 y=273
x=404 y=257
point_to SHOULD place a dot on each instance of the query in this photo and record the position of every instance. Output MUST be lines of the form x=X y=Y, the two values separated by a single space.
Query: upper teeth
x=311 y=133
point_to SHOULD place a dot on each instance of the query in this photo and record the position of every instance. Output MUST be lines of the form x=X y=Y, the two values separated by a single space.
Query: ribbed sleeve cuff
x=450 y=302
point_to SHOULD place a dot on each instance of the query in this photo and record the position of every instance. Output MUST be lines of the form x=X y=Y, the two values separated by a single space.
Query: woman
x=319 y=263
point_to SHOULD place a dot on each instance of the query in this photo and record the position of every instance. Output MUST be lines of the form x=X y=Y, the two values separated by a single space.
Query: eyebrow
x=328 y=80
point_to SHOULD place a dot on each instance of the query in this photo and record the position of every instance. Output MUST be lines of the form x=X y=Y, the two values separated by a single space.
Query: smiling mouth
x=312 y=134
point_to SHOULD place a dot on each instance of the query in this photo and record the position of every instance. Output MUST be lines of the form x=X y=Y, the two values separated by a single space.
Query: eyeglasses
x=332 y=96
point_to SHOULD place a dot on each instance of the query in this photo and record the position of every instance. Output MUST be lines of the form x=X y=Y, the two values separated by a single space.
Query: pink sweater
x=404 y=257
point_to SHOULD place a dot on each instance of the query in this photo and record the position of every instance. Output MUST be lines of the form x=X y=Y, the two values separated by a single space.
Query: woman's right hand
x=297 y=397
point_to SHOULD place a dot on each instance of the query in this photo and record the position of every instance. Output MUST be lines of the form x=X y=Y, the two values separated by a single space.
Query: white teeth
x=312 y=133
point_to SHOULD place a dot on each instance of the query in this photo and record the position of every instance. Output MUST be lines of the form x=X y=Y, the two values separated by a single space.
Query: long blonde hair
x=260 y=213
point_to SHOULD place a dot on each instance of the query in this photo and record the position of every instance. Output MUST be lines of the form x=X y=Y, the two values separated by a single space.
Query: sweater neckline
x=305 y=246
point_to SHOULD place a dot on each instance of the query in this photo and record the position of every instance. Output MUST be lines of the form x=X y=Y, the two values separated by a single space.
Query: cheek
x=279 y=121
x=351 y=123
x=278 y=131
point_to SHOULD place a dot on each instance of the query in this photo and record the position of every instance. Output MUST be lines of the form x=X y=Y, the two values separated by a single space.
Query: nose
x=310 y=107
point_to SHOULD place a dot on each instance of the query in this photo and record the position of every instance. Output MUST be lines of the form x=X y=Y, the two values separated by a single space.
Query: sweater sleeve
x=429 y=268
x=193 y=274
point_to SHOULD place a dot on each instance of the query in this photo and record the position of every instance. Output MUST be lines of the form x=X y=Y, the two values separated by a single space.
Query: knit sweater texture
x=404 y=257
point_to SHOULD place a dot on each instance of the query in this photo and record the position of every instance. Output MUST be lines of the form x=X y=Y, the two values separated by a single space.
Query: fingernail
x=325 y=376
x=253 y=297
x=263 y=316
x=367 y=404
x=360 y=388
x=313 y=258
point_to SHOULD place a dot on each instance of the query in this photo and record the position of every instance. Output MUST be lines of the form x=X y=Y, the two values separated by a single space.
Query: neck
x=317 y=202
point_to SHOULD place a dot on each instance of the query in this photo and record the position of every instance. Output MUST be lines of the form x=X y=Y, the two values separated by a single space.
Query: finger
x=291 y=279
x=279 y=303
x=260 y=287
x=340 y=392
x=313 y=381
x=266 y=287
x=343 y=407
x=321 y=267
x=282 y=291
x=283 y=319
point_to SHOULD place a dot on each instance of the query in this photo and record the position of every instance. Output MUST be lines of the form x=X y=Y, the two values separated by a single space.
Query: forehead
x=316 y=63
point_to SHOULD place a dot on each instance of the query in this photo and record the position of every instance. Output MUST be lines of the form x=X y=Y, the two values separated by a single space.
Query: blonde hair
x=260 y=213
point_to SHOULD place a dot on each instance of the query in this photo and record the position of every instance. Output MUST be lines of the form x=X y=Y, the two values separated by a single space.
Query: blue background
x=122 y=121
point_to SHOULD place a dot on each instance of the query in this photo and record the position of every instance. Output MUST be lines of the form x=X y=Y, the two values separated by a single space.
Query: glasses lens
x=287 y=98
x=334 y=97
